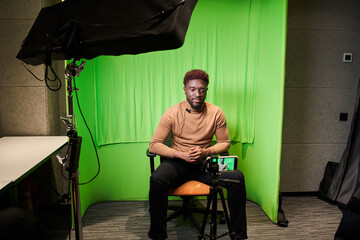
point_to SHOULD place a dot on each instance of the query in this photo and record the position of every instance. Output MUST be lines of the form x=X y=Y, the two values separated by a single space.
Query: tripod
x=214 y=191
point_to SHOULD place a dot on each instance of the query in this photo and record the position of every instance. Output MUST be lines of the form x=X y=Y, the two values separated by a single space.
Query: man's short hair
x=196 y=74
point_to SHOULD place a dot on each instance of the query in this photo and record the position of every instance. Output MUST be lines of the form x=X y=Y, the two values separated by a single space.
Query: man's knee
x=239 y=175
x=154 y=179
x=158 y=180
x=236 y=175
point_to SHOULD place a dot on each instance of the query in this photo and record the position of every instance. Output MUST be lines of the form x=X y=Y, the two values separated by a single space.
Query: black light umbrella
x=76 y=29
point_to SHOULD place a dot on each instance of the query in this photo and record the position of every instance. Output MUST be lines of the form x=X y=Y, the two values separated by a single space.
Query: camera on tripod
x=212 y=165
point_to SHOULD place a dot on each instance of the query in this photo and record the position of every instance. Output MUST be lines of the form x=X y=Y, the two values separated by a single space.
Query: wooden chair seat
x=190 y=188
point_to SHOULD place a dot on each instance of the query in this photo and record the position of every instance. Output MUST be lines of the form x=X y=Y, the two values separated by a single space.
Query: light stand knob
x=61 y=159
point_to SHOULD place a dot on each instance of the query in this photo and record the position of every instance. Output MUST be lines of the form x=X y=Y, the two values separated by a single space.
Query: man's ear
x=184 y=89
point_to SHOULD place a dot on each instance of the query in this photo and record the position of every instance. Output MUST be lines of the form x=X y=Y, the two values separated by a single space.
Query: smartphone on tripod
x=222 y=163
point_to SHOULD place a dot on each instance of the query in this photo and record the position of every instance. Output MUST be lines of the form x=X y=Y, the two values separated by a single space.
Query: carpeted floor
x=309 y=218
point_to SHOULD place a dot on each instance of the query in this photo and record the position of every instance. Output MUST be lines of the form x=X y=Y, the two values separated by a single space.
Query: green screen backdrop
x=241 y=44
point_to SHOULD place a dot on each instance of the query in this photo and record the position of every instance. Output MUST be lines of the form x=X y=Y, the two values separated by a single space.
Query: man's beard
x=196 y=107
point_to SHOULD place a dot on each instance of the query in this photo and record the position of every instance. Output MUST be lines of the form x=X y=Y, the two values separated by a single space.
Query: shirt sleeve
x=222 y=136
x=157 y=143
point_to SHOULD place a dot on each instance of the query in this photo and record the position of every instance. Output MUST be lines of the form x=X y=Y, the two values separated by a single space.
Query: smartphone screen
x=227 y=163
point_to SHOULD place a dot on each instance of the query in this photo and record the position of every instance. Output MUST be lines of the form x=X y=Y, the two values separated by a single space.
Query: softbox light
x=76 y=29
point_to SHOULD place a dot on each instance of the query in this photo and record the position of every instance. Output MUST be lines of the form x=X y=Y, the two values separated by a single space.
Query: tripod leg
x=226 y=213
x=202 y=231
x=213 y=216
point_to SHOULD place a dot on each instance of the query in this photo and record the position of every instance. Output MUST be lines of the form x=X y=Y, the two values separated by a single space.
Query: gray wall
x=318 y=87
x=27 y=107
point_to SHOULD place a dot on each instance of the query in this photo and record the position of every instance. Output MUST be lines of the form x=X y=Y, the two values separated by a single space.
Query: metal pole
x=74 y=147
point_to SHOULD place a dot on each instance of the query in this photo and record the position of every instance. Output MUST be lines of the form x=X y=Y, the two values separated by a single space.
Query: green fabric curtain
x=241 y=44
x=132 y=92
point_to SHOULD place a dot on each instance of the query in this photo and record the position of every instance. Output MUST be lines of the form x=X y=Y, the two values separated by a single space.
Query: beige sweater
x=193 y=129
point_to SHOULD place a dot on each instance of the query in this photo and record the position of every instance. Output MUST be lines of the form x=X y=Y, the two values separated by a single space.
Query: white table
x=19 y=156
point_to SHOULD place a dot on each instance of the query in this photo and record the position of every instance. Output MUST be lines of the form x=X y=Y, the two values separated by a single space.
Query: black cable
x=47 y=183
x=41 y=80
x=52 y=80
x=46 y=78
x=92 y=139
x=53 y=71
x=21 y=60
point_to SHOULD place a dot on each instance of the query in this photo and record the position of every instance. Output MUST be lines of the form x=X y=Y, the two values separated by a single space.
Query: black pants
x=174 y=172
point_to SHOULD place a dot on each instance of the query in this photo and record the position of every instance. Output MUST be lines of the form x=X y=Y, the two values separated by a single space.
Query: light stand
x=72 y=157
x=215 y=189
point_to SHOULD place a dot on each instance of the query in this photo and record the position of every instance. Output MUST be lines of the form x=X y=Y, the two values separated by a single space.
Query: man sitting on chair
x=193 y=124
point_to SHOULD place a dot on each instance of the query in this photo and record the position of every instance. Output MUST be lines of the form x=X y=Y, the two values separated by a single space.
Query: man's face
x=195 y=91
